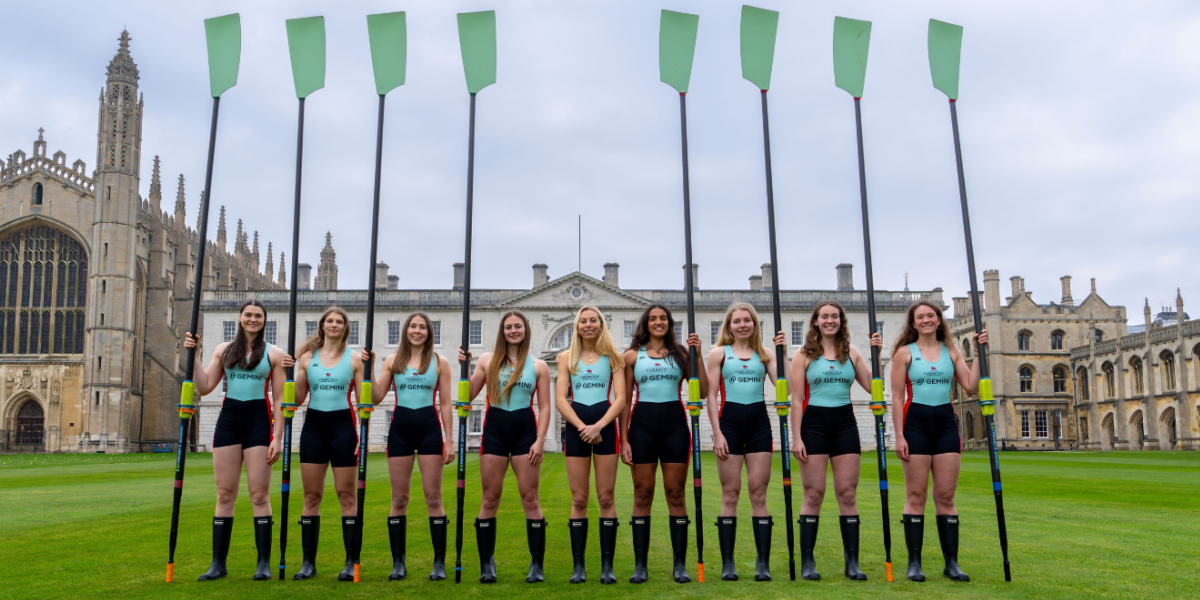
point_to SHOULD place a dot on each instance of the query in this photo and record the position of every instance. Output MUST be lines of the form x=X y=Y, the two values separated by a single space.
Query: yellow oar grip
x=187 y=400
x=986 y=403
x=366 y=404
x=878 y=404
x=463 y=403
x=782 y=400
x=694 y=403
x=289 y=399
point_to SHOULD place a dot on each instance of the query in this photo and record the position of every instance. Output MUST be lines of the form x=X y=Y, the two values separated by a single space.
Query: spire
x=240 y=236
x=268 y=267
x=155 y=183
x=906 y=282
x=254 y=251
x=282 y=270
x=180 y=205
x=221 y=226
x=122 y=68
x=327 y=269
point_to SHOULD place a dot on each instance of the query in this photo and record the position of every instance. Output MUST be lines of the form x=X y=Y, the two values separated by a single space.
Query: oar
x=477 y=40
x=851 y=39
x=945 y=52
x=224 y=37
x=676 y=48
x=306 y=44
x=758 y=55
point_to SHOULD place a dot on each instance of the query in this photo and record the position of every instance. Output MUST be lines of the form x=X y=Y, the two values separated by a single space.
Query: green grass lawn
x=1116 y=525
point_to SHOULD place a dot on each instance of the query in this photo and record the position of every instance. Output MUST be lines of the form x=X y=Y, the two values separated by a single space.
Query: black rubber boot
x=948 y=535
x=437 y=535
x=485 y=538
x=608 y=546
x=914 y=536
x=349 y=537
x=679 y=541
x=262 y=541
x=535 y=533
x=398 y=537
x=579 y=531
x=222 y=529
x=310 y=534
x=762 y=543
x=849 y=525
x=808 y=540
x=640 y=526
x=726 y=535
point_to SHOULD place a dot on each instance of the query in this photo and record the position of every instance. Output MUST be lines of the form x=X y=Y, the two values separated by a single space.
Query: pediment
x=574 y=291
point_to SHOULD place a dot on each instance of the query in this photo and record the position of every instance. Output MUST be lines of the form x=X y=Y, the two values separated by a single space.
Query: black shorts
x=508 y=433
x=573 y=445
x=931 y=430
x=329 y=436
x=658 y=432
x=415 y=431
x=830 y=430
x=746 y=427
x=243 y=422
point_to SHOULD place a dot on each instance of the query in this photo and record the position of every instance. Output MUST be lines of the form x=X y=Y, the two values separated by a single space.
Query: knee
x=847 y=496
x=347 y=498
x=944 y=498
x=313 y=498
x=605 y=500
x=674 y=495
x=400 y=500
x=814 y=495
x=260 y=498
x=490 y=502
x=578 y=504
x=758 y=495
x=731 y=493
x=644 y=498
x=226 y=495
x=529 y=499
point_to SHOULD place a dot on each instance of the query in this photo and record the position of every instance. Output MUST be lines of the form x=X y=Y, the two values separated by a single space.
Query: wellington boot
x=310 y=534
x=535 y=535
x=485 y=539
x=579 y=532
x=679 y=543
x=914 y=536
x=726 y=535
x=398 y=538
x=762 y=543
x=349 y=538
x=850 y=525
x=262 y=542
x=222 y=529
x=437 y=535
x=640 y=526
x=608 y=546
x=948 y=535
x=808 y=540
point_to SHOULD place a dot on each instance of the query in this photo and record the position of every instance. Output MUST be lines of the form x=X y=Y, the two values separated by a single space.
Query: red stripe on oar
x=179 y=483
x=462 y=483
x=787 y=481
x=696 y=482
x=362 y=485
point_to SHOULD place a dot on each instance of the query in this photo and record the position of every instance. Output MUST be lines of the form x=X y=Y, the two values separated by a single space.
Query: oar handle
x=783 y=400
x=365 y=404
x=289 y=399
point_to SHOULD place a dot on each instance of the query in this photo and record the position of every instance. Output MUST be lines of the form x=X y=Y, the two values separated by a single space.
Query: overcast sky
x=1080 y=125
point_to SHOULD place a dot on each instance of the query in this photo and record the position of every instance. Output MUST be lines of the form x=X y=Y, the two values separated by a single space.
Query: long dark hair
x=641 y=336
x=235 y=353
x=317 y=341
x=812 y=341
x=910 y=334
x=404 y=354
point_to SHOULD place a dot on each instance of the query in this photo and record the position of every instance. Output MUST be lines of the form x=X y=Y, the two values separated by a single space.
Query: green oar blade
x=851 y=40
x=388 y=34
x=676 y=48
x=945 y=53
x=758 y=44
x=477 y=39
x=224 y=35
x=306 y=44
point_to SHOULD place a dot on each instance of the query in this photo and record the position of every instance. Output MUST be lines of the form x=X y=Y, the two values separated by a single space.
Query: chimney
x=960 y=308
x=1016 y=287
x=540 y=277
x=845 y=277
x=756 y=283
x=459 y=276
x=303 y=276
x=393 y=282
x=767 y=283
x=1093 y=286
x=695 y=276
x=610 y=274
x=1067 y=300
x=381 y=276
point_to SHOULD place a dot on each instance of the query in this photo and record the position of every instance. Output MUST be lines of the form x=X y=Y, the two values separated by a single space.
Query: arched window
x=1137 y=376
x=970 y=425
x=43 y=291
x=1110 y=381
x=1060 y=379
x=1023 y=340
x=1082 y=376
x=1056 y=340
x=37 y=194
x=1168 y=371
x=1099 y=336
x=562 y=339
x=1026 y=376
x=30 y=424
x=966 y=348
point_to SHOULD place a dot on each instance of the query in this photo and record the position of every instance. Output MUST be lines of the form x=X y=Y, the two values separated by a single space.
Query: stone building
x=96 y=287
x=550 y=305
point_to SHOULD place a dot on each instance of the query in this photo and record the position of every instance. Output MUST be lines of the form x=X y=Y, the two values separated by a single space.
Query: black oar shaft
x=693 y=383
x=986 y=401
x=464 y=386
x=289 y=393
x=782 y=401
x=188 y=394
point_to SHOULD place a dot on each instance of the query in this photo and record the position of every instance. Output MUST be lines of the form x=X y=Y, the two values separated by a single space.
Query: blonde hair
x=500 y=356
x=317 y=341
x=404 y=354
x=756 y=343
x=604 y=344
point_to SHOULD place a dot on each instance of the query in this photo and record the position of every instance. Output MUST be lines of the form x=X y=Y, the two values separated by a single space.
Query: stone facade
x=97 y=287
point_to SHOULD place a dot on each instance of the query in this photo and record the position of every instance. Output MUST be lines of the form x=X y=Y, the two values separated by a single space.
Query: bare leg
x=258 y=479
x=491 y=474
x=227 y=470
x=432 y=468
x=916 y=483
x=643 y=488
x=313 y=477
x=846 y=470
x=606 y=482
x=400 y=470
x=528 y=478
x=758 y=475
x=674 y=477
x=578 y=469
x=812 y=477
x=945 y=482
x=345 y=483
x=730 y=473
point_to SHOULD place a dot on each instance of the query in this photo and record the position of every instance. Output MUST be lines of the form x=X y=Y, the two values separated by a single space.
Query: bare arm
x=357 y=368
x=543 y=394
x=446 y=408
x=701 y=373
x=206 y=380
x=301 y=378
x=800 y=377
x=862 y=369
x=562 y=389
x=623 y=423
x=715 y=356
x=769 y=361
x=380 y=389
x=618 y=402
x=967 y=378
x=900 y=362
x=278 y=378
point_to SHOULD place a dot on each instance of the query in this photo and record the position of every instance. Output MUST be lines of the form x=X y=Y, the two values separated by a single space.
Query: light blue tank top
x=417 y=390
x=929 y=383
x=656 y=379
x=592 y=384
x=249 y=384
x=742 y=380
x=828 y=383
x=329 y=388
x=521 y=395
